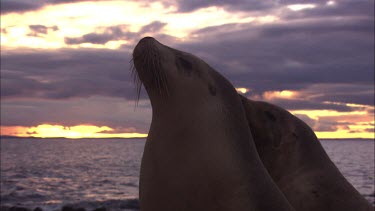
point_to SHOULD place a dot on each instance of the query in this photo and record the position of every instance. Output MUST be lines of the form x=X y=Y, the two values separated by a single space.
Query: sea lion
x=197 y=154
x=297 y=162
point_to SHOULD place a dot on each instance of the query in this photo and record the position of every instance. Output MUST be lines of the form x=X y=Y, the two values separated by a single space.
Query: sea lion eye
x=270 y=116
x=184 y=63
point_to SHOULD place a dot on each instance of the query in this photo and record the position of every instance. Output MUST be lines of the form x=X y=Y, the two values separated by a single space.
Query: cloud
x=20 y=6
x=40 y=30
x=309 y=121
x=341 y=8
x=242 y=5
x=153 y=27
x=66 y=74
x=115 y=33
x=250 y=55
x=370 y=130
x=296 y=104
x=321 y=7
x=364 y=98
x=322 y=126
x=109 y=34
x=252 y=5
x=345 y=118
x=293 y=55
x=116 y=113
x=317 y=27
x=8 y=6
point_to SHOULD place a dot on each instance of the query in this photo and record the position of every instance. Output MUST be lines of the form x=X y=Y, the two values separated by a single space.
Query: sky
x=65 y=64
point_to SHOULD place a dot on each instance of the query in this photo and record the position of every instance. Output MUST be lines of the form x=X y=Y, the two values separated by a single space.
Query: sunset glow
x=73 y=132
x=279 y=94
x=356 y=124
x=298 y=7
x=242 y=90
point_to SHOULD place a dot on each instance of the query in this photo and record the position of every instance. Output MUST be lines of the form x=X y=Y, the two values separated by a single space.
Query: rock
x=100 y=209
x=4 y=208
x=71 y=208
x=133 y=204
x=38 y=209
x=14 y=208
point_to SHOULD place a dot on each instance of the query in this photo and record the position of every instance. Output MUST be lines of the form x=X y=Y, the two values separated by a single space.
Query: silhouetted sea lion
x=298 y=163
x=197 y=155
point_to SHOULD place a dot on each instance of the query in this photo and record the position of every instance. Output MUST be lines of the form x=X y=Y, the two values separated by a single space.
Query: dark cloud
x=322 y=126
x=295 y=104
x=40 y=30
x=371 y=111
x=116 y=113
x=20 y=6
x=114 y=33
x=8 y=6
x=321 y=9
x=345 y=120
x=153 y=27
x=64 y=1
x=66 y=74
x=110 y=33
x=341 y=8
x=252 y=5
x=317 y=27
x=309 y=121
x=241 y=5
x=293 y=55
x=362 y=94
x=370 y=130
x=364 y=98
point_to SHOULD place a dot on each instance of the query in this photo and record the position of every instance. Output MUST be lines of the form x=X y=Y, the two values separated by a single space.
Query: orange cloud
x=285 y=94
x=353 y=124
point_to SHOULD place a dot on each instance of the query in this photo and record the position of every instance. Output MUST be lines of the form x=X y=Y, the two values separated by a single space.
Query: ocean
x=92 y=173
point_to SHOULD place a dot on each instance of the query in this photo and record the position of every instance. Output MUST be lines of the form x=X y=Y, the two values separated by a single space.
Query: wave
x=113 y=205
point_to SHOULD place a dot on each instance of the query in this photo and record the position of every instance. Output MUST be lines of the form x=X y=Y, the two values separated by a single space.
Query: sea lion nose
x=147 y=39
x=144 y=43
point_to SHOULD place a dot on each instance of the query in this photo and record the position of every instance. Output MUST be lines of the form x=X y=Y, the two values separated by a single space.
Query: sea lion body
x=298 y=163
x=197 y=155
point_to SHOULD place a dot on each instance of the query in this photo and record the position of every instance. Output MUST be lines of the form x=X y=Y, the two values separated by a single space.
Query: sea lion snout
x=147 y=39
x=149 y=70
x=143 y=46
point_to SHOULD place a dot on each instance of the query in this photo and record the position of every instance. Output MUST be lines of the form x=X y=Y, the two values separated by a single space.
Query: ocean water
x=50 y=173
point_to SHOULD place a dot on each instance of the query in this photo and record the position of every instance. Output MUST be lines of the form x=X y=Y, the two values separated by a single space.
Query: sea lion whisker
x=156 y=70
x=136 y=80
x=163 y=79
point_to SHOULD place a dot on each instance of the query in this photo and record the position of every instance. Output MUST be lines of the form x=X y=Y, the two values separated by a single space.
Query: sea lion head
x=172 y=77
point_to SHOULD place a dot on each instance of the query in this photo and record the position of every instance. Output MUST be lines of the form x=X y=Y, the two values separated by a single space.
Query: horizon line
x=33 y=137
